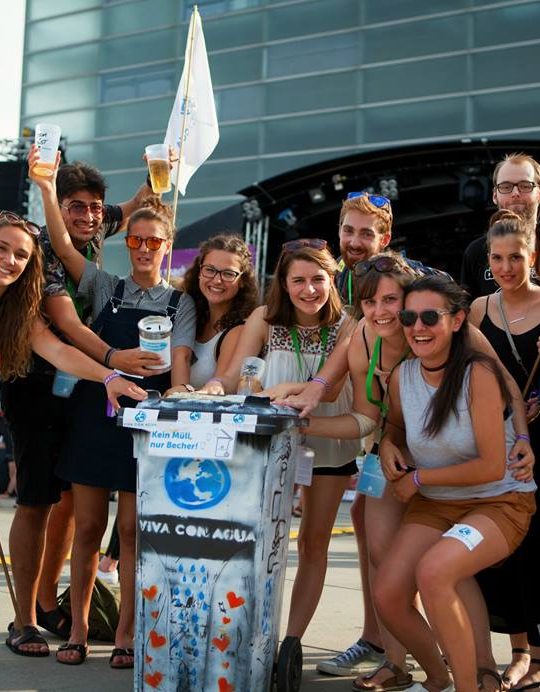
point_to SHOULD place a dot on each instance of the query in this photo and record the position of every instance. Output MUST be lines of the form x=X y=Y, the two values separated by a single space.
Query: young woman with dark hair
x=23 y=331
x=294 y=332
x=449 y=409
x=510 y=320
x=222 y=283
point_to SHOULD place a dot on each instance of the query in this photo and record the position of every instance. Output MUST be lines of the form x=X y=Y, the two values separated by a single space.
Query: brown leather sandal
x=400 y=680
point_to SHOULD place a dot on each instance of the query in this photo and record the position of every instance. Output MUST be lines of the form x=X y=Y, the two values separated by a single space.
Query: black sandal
x=81 y=649
x=531 y=685
x=121 y=652
x=54 y=621
x=481 y=672
x=27 y=635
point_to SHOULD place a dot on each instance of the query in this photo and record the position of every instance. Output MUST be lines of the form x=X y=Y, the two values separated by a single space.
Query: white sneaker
x=349 y=495
x=360 y=654
x=110 y=578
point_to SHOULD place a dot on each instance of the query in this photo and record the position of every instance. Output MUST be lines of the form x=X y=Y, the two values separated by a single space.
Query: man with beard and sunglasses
x=516 y=186
x=42 y=528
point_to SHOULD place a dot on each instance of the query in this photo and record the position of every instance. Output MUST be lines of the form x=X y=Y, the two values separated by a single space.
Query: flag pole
x=191 y=34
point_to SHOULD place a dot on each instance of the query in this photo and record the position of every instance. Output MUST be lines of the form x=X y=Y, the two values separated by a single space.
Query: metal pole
x=10 y=589
x=191 y=34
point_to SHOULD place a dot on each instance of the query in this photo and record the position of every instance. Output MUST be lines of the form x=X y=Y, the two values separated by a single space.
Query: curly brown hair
x=247 y=298
x=20 y=306
x=280 y=309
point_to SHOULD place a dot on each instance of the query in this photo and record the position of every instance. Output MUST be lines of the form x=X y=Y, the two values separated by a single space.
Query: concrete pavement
x=335 y=626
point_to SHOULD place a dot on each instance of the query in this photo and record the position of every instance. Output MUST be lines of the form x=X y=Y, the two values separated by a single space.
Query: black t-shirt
x=476 y=275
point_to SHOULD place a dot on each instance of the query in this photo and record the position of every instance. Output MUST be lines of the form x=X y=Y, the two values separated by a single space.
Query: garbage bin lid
x=270 y=418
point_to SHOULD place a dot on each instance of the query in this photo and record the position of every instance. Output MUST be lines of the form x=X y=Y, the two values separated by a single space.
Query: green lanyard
x=381 y=405
x=349 y=287
x=293 y=331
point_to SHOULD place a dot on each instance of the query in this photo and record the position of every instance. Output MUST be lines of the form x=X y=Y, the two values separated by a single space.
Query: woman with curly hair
x=222 y=283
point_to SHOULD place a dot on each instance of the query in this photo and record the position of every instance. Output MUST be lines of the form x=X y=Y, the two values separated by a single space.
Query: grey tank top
x=453 y=444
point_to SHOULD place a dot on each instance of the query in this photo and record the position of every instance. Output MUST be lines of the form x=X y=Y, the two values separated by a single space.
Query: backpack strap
x=224 y=333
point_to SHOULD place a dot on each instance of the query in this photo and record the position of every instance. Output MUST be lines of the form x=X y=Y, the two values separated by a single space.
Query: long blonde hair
x=20 y=306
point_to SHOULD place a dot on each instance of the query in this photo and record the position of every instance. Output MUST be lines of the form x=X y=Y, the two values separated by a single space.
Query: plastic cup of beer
x=47 y=140
x=251 y=374
x=157 y=157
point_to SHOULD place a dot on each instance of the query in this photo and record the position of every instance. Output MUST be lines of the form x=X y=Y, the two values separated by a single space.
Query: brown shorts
x=511 y=512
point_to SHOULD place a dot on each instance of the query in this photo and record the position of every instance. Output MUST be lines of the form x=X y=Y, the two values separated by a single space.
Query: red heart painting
x=154 y=679
x=148 y=659
x=226 y=620
x=234 y=600
x=156 y=639
x=221 y=643
x=225 y=685
x=154 y=614
x=225 y=665
x=150 y=593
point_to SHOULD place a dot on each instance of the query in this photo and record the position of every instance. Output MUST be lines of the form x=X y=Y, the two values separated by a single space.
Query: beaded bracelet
x=321 y=380
x=523 y=437
x=415 y=478
x=108 y=356
x=110 y=377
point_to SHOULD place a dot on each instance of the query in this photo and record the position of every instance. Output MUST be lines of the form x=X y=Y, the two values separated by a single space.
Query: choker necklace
x=439 y=367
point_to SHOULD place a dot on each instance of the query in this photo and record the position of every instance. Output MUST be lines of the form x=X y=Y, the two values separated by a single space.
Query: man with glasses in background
x=516 y=187
x=42 y=529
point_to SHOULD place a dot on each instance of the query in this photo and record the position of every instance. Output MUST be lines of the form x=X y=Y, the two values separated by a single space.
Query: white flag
x=201 y=132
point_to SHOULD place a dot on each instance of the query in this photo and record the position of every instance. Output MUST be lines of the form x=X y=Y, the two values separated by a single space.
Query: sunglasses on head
x=378 y=201
x=315 y=243
x=383 y=265
x=16 y=220
x=153 y=243
x=429 y=318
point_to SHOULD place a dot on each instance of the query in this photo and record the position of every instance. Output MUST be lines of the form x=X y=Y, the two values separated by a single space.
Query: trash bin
x=214 y=497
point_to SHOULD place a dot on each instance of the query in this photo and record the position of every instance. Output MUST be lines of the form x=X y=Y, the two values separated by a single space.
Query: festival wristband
x=523 y=437
x=415 y=479
x=110 y=377
x=321 y=380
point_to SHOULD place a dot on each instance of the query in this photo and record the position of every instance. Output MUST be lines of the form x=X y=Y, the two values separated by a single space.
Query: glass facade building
x=296 y=81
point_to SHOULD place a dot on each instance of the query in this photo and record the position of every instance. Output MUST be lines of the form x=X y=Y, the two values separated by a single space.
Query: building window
x=126 y=85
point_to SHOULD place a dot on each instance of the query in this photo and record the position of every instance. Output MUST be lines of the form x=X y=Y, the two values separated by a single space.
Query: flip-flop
x=116 y=652
x=27 y=635
x=81 y=649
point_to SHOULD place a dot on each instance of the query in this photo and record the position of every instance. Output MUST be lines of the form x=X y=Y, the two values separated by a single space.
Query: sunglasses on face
x=378 y=201
x=429 y=318
x=315 y=243
x=226 y=275
x=383 y=265
x=505 y=188
x=16 y=220
x=81 y=209
x=153 y=243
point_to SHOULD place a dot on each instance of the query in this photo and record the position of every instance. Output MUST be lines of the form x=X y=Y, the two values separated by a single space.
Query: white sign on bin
x=212 y=441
